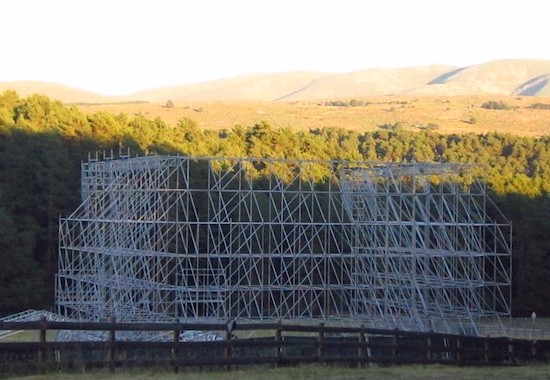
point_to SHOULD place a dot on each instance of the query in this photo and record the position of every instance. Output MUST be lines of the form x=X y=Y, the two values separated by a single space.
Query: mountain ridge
x=512 y=77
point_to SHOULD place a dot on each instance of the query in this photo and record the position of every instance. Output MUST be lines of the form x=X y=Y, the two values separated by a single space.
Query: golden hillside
x=269 y=86
x=454 y=114
x=504 y=77
x=56 y=91
x=366 y=83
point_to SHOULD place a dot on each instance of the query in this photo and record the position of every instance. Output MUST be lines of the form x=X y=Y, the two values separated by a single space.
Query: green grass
x=28 y=336
x=323 y=372
x=525 y=328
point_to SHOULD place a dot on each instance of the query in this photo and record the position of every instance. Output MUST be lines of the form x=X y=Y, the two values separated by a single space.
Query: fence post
x=176 y=348
x=111 y=351
x=278 y=339
x=430 y=346
x=320 y=348
x=228 y=348
x=395 y=349
x=534 y=350
x=42 y=343
x=487 y=348
x=460 y=351
x=511 y=351
x=361 y=348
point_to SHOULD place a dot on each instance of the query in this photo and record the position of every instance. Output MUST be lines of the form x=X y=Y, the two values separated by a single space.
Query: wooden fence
x=275 y=344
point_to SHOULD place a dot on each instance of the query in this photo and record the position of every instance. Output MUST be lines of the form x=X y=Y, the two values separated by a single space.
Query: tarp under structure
x=404 y=246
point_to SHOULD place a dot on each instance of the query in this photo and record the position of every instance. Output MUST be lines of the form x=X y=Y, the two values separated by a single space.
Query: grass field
x=322 y=372
x=27 y=336
x=526 y=328
x=458 y=114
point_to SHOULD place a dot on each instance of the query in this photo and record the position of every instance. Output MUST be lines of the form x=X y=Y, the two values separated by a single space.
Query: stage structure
x=216 y=239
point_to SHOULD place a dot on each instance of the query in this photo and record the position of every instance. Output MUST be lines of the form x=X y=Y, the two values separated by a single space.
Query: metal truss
x=164 y=237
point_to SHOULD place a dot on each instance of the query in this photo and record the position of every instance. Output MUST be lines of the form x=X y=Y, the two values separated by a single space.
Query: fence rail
x=279 y=344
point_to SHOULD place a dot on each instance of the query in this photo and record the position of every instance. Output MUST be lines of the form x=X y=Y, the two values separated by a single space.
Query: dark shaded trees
x=530 y=217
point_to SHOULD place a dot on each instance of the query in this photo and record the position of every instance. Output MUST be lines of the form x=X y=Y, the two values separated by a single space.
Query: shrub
x=356 y=103
x=337 y=103
x=351 y=103
x=540 y=106
x=392 y=127
x=470 y=119
x=494 y=105
x=432 y=126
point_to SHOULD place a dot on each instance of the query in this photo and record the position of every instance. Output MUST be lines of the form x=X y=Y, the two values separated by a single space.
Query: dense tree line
x=43 y=142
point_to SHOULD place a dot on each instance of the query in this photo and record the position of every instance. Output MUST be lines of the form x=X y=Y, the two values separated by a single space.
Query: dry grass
x=446 y=114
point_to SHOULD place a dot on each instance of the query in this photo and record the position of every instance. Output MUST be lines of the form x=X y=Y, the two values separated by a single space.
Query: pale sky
x=117 y=47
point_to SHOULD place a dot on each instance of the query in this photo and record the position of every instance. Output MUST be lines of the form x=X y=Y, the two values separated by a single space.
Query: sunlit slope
x=263 y=87
x=366 y=83
x=504 y=77
x=56 y=91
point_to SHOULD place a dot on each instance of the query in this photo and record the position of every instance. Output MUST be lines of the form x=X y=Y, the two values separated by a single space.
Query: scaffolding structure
x=164 y=237
x=427 y=256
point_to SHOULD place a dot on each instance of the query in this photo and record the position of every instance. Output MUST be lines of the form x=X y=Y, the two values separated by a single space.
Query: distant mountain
x=268 y=86
x=370 y=82
x=56 y=91
x=503 y=77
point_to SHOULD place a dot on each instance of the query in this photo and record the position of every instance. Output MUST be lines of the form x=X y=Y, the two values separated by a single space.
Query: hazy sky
x=118 y=47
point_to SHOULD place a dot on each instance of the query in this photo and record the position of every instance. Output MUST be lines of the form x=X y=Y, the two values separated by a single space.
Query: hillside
x=458 y=114
x=263 y=87
x=56 y=91
x=367 y=83
x=503 y=77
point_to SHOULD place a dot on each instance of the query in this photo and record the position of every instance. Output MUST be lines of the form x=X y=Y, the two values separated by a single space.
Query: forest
x=43 y=142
